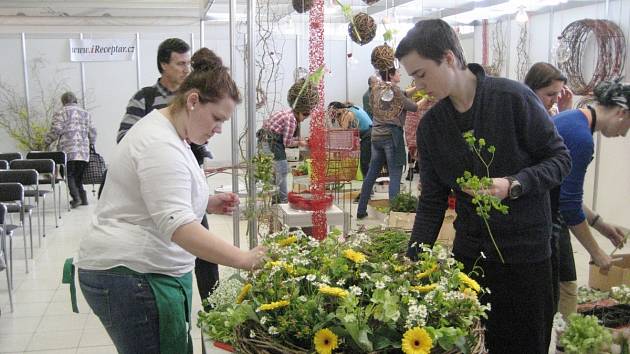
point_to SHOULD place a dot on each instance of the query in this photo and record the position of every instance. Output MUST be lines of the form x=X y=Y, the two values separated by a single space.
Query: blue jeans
x=382 y=150
x=126 y=306
x=281 y=169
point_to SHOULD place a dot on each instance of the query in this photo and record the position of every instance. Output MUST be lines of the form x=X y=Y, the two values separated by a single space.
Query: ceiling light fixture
x=521 y=15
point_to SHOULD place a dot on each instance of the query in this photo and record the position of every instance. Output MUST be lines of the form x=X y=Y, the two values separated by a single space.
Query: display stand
x=302 y=218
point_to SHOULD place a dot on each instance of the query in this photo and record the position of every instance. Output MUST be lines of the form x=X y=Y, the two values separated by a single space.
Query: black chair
x=4 y=165
x=3 y=253
x=44 y=167
x=61 y=163
x=29 y=180
x=13 y=193
x=10 y=156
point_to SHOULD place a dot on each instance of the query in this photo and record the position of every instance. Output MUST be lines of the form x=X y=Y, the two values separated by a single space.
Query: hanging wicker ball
x=386 y=110
x=365 y=25
x=383 y=57
x=307 y=100
x=302 y=6
x=370 y=2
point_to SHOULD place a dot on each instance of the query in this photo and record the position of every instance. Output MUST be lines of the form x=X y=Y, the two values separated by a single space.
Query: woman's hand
x=565 y=99
x=614 y=233
x=499 y=189
x=222 y=203
x=603 y=261
x=254 y=258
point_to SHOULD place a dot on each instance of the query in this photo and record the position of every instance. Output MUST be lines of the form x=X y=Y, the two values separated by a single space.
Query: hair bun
x=205 y=60
x=613 y=92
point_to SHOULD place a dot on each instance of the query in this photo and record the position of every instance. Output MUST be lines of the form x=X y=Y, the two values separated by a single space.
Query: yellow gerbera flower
x=325 y=341
x=427 y=272
x=273 y=305
x=287 y=241
x=243 y=293
x=417 y=341
x=469 y=282
x=400 y=268
x=470 y=293
x=424 y=288
x=356 y=257
x=332 y=291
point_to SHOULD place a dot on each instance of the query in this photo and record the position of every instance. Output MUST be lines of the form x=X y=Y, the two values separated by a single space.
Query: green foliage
x=365 y=292
x=584 y=335
x=483 y=201
x=621 y=293
x=263 y=170
x=585 y=295
x=404 y=203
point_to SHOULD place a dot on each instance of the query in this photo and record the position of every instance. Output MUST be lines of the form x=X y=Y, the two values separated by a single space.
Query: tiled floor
x=43 y=321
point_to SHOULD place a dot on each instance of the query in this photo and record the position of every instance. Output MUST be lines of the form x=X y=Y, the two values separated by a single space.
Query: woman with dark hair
x=610 y=116
x=388 y=143
x=550 y=85
x=135 y=262
x=530 y=160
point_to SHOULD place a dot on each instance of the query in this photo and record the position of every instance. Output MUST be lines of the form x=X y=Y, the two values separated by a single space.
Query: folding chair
x=61 y=163
x=4 y=165
x=3 y=253
x=44 y=167
x=13 y=194
x=10 y=156
x=29 y=180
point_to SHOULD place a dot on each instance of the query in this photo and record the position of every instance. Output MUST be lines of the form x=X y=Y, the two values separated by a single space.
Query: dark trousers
x=207 y=273
x=366 y=151
x=75 y=178
x=522 y=306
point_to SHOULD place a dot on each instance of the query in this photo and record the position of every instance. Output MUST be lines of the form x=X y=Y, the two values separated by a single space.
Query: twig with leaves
x=478 y=187
x=347 y=12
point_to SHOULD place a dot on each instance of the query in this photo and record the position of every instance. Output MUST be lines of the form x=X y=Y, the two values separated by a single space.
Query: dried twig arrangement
x=362 y=28
x=522 y=53
x=611 y=53
x=498 y=51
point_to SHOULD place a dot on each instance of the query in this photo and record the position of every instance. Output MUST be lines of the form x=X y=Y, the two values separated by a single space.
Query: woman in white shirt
x=135 y=262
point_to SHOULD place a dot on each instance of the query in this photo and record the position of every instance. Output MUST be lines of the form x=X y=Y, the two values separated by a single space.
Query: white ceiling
x=403 y=10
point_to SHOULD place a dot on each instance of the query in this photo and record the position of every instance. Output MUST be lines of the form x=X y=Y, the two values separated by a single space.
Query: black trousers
x=366 y=151
x=522 y=305
x=75 y=178
x=207 y=273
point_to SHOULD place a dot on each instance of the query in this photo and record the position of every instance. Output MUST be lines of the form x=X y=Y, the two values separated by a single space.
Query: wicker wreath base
x=263 y=343
x=302 y=6
x=370 y=2
x=387 y=111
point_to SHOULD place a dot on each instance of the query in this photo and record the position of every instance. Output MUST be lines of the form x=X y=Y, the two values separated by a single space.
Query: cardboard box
x=618 y=274
x=405 y=221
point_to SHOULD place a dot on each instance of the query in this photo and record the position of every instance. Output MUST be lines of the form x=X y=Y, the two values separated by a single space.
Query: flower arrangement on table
x=348 y=295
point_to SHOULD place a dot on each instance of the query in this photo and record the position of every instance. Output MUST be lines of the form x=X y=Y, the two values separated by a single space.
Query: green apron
x=173 y=297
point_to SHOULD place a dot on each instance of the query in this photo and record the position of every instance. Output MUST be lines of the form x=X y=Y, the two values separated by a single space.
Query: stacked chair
x=3 y=254
x=60 y=159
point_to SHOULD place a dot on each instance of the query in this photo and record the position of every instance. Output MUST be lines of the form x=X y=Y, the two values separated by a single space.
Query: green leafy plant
x=621 y=293
x=584 y=335
x=478 y=186
x=404 y=203
x=358 y=290
x=263 y=170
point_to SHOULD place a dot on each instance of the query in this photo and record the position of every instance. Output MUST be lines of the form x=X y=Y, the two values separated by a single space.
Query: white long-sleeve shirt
x=154 y=185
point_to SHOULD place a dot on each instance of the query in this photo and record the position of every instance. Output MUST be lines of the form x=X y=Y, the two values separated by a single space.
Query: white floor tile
x=14 y=343
x=55 y=340
x=19 y=325
x=29 y=296
x=62 y=322
x=110 y=349
x=25 y=310
x=95 y=337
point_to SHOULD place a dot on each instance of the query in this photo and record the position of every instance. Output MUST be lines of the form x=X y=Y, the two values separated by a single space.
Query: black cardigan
x=509 y=116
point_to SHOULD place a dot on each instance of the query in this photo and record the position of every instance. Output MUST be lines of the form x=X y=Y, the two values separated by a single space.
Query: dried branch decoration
x=303 y=95
x=383 y=57
x=370 y=2
x=611 y=53
x=522 y=53
x=498 y=51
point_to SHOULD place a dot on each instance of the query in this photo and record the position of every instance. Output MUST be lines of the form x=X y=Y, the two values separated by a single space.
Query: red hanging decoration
x=318 y=135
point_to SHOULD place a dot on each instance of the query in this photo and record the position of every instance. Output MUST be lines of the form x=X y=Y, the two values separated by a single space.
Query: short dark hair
x=169 y=46
x=431 y=39
x=68 y=98
x=543 y=74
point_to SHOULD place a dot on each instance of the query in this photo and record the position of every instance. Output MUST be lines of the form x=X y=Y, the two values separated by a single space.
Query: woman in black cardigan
x=530 y=160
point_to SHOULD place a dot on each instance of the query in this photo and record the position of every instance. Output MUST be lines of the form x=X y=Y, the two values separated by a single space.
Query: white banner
x=102 y=49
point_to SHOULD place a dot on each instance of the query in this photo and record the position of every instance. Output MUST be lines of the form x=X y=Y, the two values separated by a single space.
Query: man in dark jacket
x=530 y=159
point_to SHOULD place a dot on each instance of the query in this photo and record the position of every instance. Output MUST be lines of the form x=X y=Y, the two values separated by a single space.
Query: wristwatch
x=515 y=189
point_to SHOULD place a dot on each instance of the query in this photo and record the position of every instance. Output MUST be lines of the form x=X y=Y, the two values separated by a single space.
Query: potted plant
x=402 y=211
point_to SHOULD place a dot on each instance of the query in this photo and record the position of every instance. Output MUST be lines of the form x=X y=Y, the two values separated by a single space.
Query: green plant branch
x=347 y=12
